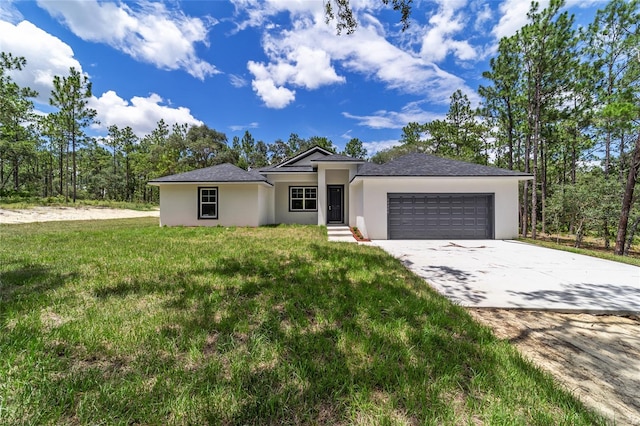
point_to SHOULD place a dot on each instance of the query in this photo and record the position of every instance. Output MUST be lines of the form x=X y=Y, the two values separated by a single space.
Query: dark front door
x=336 y=200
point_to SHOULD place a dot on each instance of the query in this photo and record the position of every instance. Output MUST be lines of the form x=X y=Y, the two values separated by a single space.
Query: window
x=303 y=198
x=207 y=203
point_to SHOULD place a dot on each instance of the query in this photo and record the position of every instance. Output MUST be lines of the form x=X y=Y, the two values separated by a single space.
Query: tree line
x=560 y=102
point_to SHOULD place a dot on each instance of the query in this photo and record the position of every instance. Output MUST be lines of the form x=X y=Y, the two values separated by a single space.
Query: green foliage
x=18 y=140
x=459 y=136
x=71 y=95
x=586 y=205
x=354 y=148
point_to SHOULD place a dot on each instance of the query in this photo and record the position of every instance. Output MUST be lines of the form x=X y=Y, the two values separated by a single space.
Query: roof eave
x=338 y=162
x=518 y=177
x=208 y=182
x=285 y=172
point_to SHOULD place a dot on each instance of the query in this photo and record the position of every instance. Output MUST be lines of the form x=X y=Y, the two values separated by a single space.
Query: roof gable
x=220 y=173
x=305 y=157
x=419 y=164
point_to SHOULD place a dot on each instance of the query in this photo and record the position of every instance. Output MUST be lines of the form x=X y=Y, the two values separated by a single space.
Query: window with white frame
x=303 y=198
x=207 y=203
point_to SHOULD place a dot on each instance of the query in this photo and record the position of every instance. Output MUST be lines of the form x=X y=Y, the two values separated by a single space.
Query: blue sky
x=270 y=67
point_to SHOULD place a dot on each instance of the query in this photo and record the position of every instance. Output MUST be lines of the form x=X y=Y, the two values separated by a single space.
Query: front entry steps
x=340 y=233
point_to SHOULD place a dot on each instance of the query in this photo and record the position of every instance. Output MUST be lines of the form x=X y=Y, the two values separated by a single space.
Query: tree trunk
x=632 y=233
x=523 y=209
x=535 y=148
x=61 y=164
x=543 y=172
x=510 y=135
x=73 y=153
x=627 y=200
x=16 y=174
x=66 y=196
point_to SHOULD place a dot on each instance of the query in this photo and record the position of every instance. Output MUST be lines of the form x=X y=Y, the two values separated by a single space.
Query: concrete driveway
x=511 y=274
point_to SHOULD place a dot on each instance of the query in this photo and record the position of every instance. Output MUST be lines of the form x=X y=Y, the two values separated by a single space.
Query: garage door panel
x=439 y=216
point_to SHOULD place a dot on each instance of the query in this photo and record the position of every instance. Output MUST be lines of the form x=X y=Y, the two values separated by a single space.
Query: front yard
x=122 y=321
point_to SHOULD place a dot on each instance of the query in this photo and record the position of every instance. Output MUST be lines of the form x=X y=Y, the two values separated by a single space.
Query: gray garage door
x=440 y=216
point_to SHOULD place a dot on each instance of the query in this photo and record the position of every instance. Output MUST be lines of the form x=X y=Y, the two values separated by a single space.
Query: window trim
x=304 y=199
x=200 y=203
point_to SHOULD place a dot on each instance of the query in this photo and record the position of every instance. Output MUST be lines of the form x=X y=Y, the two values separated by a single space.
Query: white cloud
x=295 y=65
x=304 y=56
x=483 y=14
x=514 y=14
x=141 y=114
x=46 y=55
x=374 y=147
x=149 y=33
x=393 y=119
x=237 y=81
x=238 y=127
x=438 y=41
x=256 y=13
x=8 y=12
x=273 y=96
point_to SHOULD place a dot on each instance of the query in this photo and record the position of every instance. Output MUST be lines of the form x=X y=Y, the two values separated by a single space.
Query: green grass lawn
x=601 y=253
x=124 y=322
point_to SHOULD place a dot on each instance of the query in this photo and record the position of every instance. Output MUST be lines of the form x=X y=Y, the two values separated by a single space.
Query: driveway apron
x=511 y=274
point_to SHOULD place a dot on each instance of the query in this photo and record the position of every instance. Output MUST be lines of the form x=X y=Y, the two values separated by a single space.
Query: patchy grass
x=27 y=203
x=122 y=321
x=594 y=250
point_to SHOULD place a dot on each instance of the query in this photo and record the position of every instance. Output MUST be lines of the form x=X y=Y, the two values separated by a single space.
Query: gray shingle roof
x=220 y=173
x=418 y=164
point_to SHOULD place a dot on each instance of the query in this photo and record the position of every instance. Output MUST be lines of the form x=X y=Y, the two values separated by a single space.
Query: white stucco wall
x=281 y=198
x=374 y=199
x=238 y=205
x=266 y=205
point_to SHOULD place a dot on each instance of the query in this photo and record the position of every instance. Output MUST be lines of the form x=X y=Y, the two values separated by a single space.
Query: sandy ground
x=597 y=357
x=48 y=214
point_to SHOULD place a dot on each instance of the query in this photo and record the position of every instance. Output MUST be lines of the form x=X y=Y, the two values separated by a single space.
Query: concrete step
x=340 y=233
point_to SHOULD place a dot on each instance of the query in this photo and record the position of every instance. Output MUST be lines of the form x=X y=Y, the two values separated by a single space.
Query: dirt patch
x=48 y=214
x=597 y=357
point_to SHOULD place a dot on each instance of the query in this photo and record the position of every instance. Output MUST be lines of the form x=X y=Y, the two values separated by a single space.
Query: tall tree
x=354 y=148
x=295 y=143
x=17 y=140
x=205 y=146
x=627 y=200
x=278 y=151
x=320 y=141
x=259 y=156
x=247 y=145
x=548 y=45
x=70 y=95
x=465 y=133
x=611 y=43
x=500 y=103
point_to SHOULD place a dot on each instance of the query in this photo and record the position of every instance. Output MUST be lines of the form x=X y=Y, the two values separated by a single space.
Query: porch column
x=322 y=195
